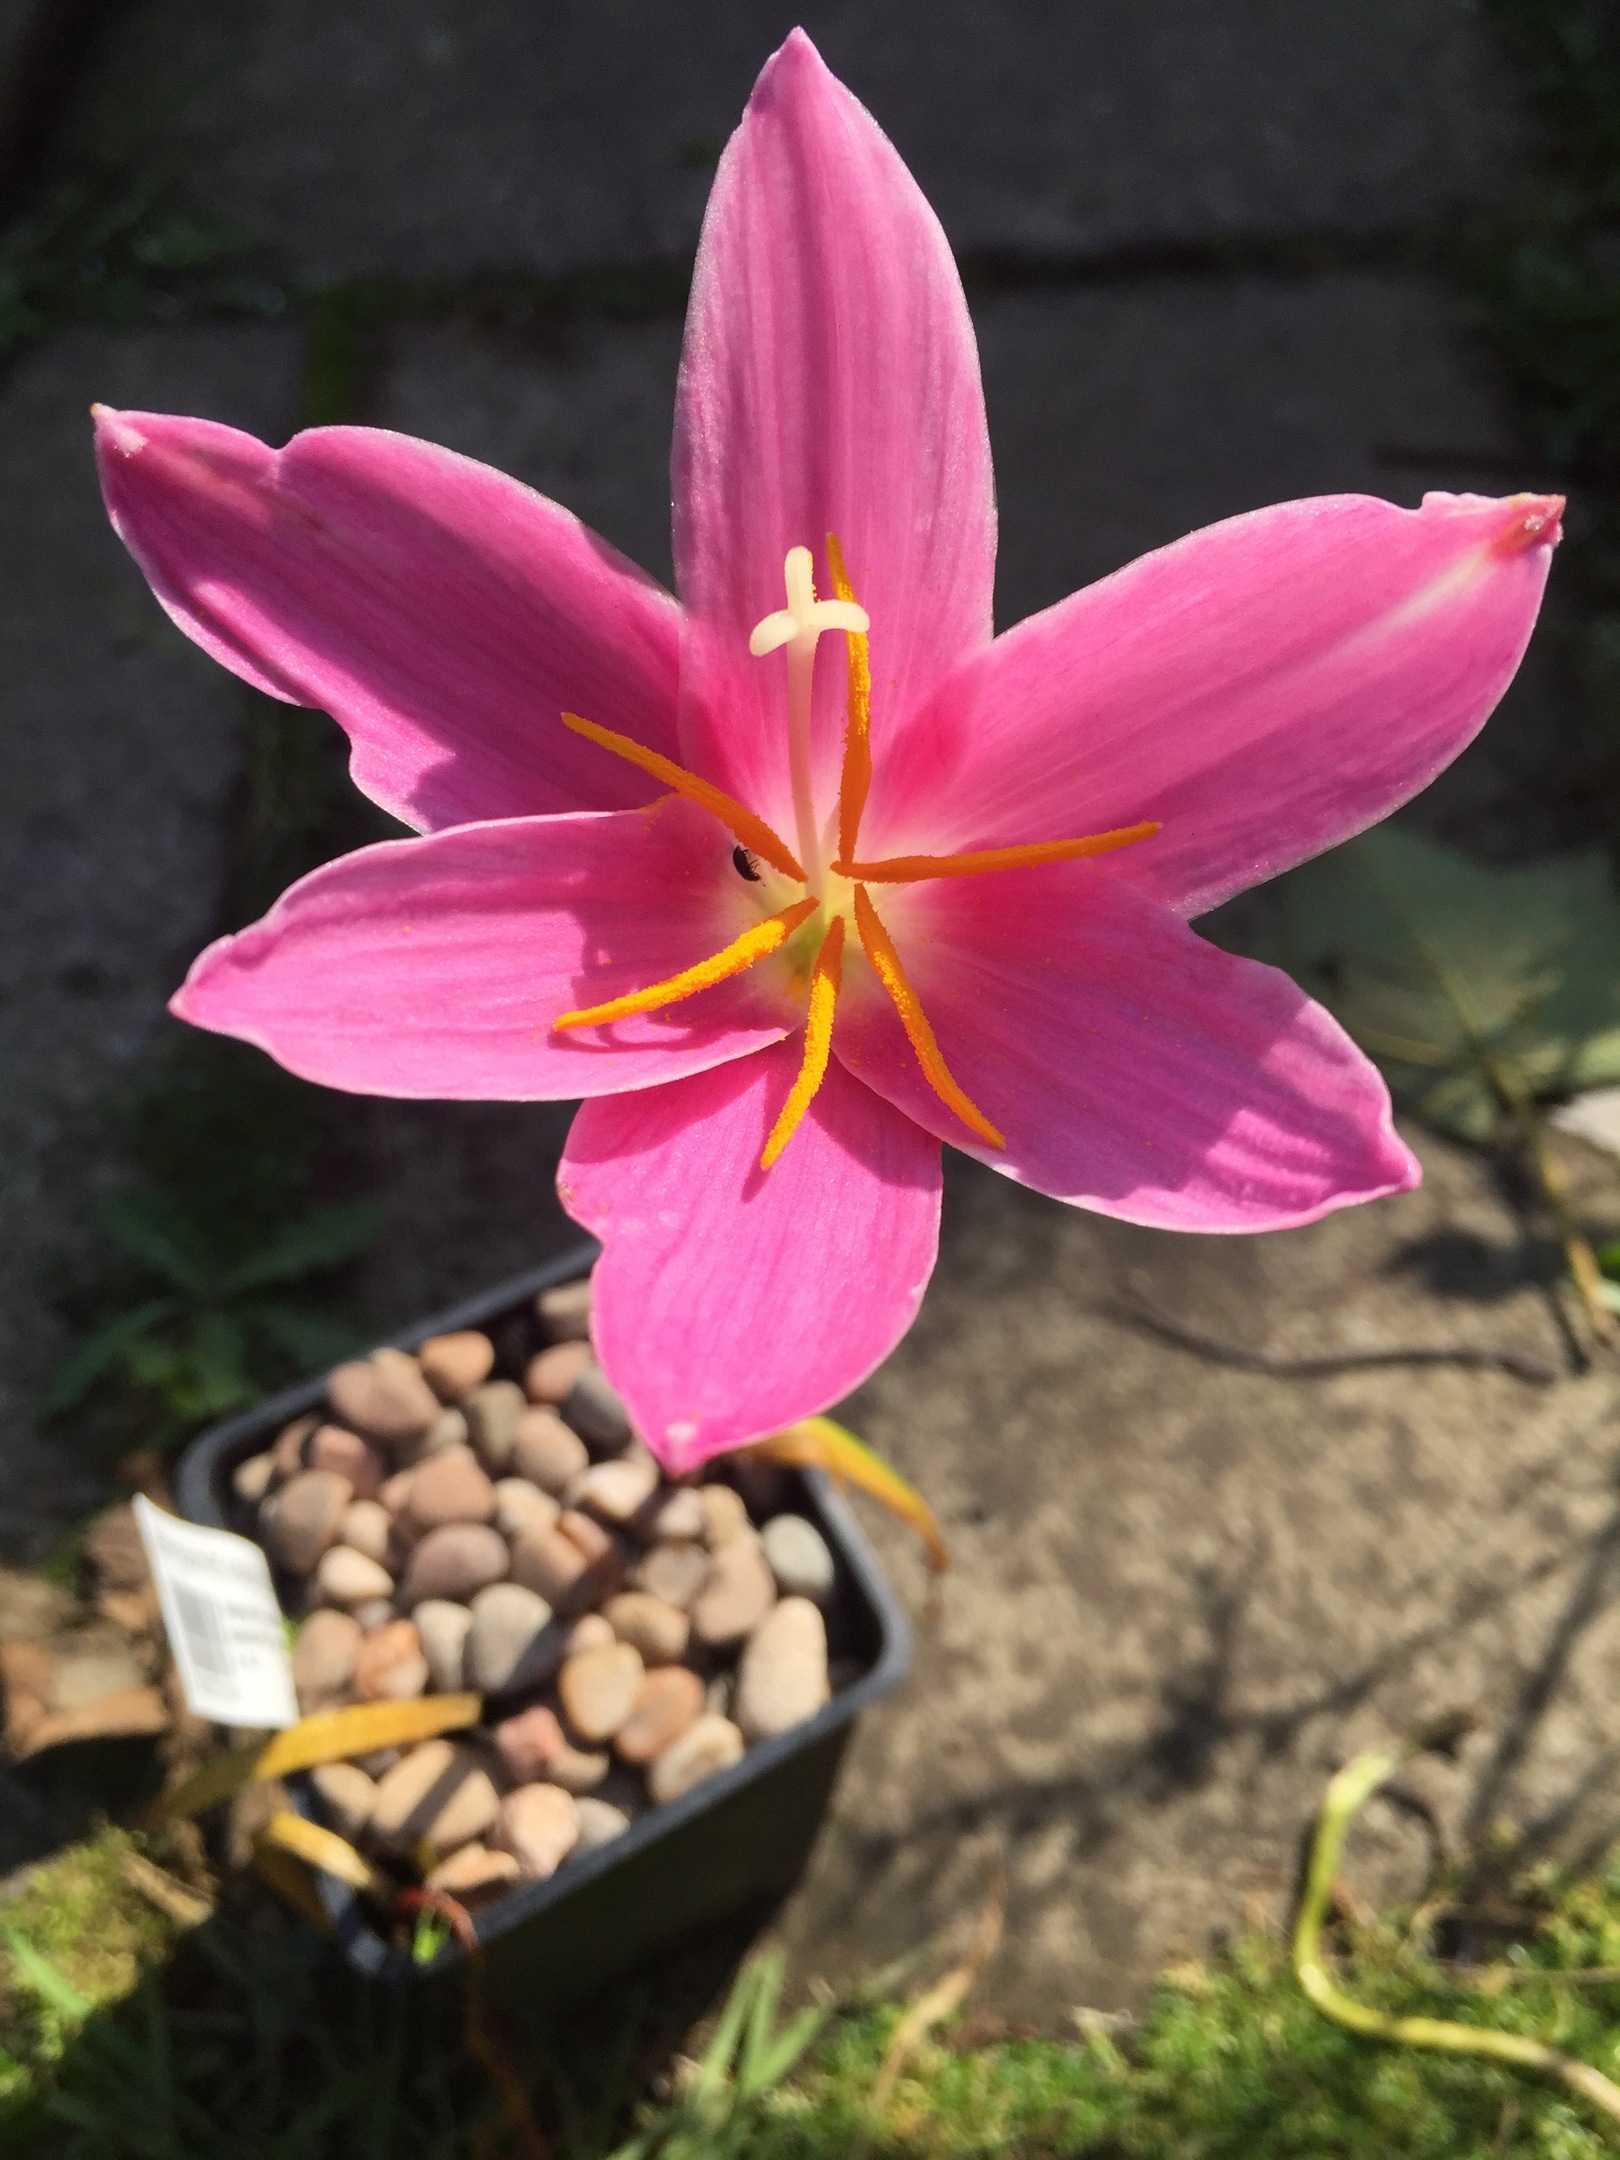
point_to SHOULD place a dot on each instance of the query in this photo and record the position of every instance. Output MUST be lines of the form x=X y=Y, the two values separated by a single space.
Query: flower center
x=814 y=905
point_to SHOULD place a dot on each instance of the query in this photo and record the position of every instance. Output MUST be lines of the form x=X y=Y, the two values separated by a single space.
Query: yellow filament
x=825 y=977
x=752 y=831
x=912 y=869
x=886 y=966
x=856 y=777
x=764 y=937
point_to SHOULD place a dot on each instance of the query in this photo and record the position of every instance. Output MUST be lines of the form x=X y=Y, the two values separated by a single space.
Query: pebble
x=452 y=1365
x=347 y=1577
x=551 y=1565
x=605 y=1557
x=712 y=1744
x=439 y=1791
x=738 y=1591
x=251 y=1480
x=598 y=1687
x=565 y=1310
x=475 y=1876
x=492 y=1412
x=594 y=1409
x=782 y=1677
x=600 y=1822
x=546 y=1451
x=455 y=1561
x=513 y=1642
x=301 y=1518
x=616 y=1490
x=659 y=1631
x=375 y=1613
x=717 y=1695
x=520 y=1506
x=347 y=1795
x=724 y=1514
x=590 y=1632
x=799 y=1557
x=675 y=1573
x=449 y=1429
x=677 y=1514
x=442 y=1628
x=396 y=1491
x=578 y=1770
x=585 y=1534
x=288 y=1452
x=539 y=1826
x=334 y=1447
x=548 y=1376
x=668 y=1703
x=391 y=1667
x=383 y=1396
x=365 y=1526
x=450 y=1487
x=527 y=1744
x=323 y=1657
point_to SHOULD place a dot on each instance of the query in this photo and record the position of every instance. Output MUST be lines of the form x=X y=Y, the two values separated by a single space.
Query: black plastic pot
x=739 y=1838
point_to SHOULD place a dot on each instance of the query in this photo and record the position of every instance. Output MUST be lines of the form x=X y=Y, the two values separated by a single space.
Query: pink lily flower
x=794 y=888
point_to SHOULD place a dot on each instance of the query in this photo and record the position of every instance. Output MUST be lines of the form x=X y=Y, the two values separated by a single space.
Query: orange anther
x=752 y=831
x=886 y=966
x=913 y=869
x=856 y=776
x=754 y=944
x=825 y=978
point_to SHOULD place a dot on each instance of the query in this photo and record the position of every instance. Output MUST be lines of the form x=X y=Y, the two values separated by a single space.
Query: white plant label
x=224 y=1625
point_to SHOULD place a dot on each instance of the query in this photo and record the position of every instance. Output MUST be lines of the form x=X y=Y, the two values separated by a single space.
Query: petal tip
x=795 y=64
x=116 y=431
x=1531 y=521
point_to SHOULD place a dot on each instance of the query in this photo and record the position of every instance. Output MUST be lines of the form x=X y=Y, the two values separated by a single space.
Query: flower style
x=792 y=888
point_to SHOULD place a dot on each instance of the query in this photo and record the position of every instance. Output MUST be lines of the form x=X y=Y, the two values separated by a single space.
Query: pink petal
x=830 y=383
x=442 y=613
x=730 y=1300
x=435 y=967
x=1132 y=1067
x=1265 y=688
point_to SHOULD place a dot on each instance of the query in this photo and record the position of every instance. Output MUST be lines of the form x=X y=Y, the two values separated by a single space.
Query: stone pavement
x=1179 y=1589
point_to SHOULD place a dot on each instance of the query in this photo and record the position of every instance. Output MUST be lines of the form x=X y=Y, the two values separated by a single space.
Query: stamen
x=825 y=978
x=912 y=869
x=856 y=777
x=752 y=831
x=886 y=966
x=754 y=944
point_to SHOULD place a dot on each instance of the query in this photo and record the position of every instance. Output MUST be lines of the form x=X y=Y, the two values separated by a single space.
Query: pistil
x=798 y=626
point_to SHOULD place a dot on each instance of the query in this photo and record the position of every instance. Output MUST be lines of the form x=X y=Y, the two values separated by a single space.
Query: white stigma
x=804 y=617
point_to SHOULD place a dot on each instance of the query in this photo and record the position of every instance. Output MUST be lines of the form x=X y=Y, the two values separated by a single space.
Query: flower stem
x=1346 y=1795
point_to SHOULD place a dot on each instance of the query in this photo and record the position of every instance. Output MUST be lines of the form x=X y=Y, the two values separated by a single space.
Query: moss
x=77 y=1913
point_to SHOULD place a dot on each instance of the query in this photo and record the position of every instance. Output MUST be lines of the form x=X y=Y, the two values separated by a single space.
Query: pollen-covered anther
x=755 y=835
x=880 y=951
x=825 y=978
x=916 y=869
x=756 y=942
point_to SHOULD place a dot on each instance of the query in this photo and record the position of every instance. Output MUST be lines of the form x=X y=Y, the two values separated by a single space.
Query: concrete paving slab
x=440 y=136
x=1183 y=1594
x=116 y=760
